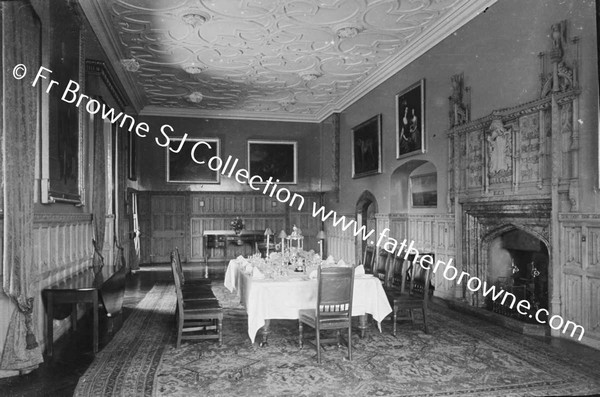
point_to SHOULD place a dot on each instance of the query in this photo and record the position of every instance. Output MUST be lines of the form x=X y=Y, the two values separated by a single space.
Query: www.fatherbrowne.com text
x=228 y=168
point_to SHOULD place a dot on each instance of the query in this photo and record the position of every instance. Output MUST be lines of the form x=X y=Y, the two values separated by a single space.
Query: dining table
x=267 y=298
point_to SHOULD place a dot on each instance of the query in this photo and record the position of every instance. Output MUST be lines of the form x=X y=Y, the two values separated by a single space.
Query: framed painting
x=366 y=148
x=423 y=190
x=410 y=120
x=181 y=168
x=273 y=159
x=63 y=143
x=131 y=156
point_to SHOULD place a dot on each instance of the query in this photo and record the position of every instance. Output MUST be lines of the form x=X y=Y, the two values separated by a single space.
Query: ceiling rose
x=194 y=18
x=346 y=31
x=195 y=97
x=131 y=65
x=194 y=68
x=309 y=75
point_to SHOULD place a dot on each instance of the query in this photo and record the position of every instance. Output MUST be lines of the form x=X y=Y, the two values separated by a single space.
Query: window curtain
x=99 y=194
x=21 y=39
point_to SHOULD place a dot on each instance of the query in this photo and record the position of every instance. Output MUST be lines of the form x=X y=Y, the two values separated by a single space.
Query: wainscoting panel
x=340 y=243
x=180 y=219
x=580 y=264
x=62 y=247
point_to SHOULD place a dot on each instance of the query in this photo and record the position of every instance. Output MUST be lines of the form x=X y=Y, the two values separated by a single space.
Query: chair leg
x=394 y=319
x=300 y=329
x=339 y=338
x=425 y=320
x=318 y=332
x=179 y=330
x=350 y=342
x=220 y=330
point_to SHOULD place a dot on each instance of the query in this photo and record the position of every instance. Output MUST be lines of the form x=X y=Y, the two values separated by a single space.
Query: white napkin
x=257 y=274
x=330 y=261
x=313 y=274
x=359 y=270
x=341 y=263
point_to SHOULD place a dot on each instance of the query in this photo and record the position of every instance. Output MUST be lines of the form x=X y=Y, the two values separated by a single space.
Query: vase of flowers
x=237 y=225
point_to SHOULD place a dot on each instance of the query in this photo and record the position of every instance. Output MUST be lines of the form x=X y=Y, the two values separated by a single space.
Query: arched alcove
x=400 y=183
x=366 y=208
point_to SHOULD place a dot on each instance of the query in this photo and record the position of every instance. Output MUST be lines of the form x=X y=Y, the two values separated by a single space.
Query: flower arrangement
x=237 y=225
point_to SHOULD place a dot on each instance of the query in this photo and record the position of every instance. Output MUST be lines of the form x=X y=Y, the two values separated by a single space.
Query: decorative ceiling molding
x=99 y=23
x=294 y=60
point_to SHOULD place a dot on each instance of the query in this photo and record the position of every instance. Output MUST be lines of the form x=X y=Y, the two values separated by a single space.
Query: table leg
x=95 y=315
x=362 y=325
x=74 y=317
x=49 y=324
x=266 y=330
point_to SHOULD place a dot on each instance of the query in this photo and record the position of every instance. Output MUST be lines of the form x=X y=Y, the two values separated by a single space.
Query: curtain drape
x=21 y=43
x=99 y=196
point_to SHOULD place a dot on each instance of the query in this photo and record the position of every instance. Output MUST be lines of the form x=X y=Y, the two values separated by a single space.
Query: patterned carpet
x=462 y=356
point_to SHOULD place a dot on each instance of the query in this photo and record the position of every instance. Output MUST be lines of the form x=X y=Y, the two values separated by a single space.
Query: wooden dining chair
x=333 y=309
x=415 y=297
x=382 y=266
x=196 y=319
x=369 y=258
x=189 y=283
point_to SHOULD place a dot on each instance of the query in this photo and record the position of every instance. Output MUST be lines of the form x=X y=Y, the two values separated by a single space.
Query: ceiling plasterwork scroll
x=293 y=57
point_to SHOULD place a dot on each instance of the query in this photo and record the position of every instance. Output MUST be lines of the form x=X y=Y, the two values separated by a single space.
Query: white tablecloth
x=283 y=298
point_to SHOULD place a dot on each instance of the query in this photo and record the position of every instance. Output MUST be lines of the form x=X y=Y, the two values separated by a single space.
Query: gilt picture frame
x=410 y=120
x=181 y=167
x=62 y=144
x=366 y=148
x=273 y=159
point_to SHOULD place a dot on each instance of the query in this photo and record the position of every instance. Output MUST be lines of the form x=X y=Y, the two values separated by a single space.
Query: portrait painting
x=410 y=120
x=366 y=148
x=65 y=140
x=183 y=168
x=276 y=159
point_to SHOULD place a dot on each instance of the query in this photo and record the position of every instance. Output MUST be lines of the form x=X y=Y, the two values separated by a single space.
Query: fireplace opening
x=518 y=263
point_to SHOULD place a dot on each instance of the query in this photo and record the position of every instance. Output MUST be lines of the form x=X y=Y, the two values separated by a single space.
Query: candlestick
x=321 y=248
x=268 y=237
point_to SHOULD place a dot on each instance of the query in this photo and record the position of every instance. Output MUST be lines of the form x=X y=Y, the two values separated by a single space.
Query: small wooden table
x=80 y=288
x=221 y=239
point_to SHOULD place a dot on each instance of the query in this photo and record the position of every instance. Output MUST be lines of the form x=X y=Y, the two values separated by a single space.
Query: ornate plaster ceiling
x=266 y=59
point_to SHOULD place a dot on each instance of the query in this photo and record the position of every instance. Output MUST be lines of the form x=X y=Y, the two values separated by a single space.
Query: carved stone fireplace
x=518 y=262
x=507 y=244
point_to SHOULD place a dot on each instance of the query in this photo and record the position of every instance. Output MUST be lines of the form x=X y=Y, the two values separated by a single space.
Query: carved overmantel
x=517 y=168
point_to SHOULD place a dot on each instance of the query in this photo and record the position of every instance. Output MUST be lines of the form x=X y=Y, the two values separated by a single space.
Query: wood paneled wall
x=580 y=263
x=431 y=233
x=62 y=247
x=169 y=219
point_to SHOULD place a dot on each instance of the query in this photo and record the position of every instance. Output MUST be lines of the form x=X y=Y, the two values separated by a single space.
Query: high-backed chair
x=201 y=291
x=189 y=283
x=382 y=266
x=369 y=258
x=416 y=297
x=333 y=310
x=196 y=319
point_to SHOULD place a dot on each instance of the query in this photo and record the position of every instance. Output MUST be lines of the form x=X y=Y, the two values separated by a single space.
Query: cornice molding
x=101 y=26
x=229 y=115
x=61 y=219
x=429 y=38
x=514 y=112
